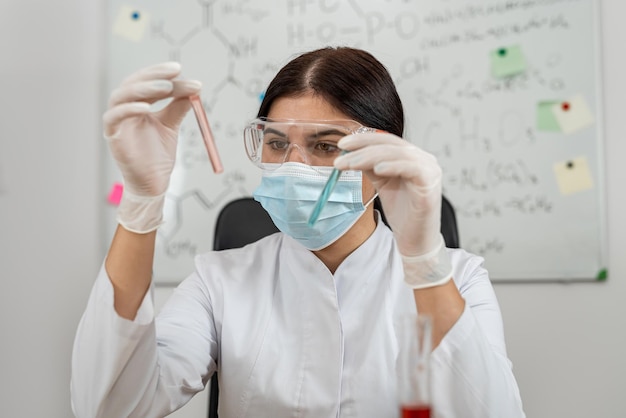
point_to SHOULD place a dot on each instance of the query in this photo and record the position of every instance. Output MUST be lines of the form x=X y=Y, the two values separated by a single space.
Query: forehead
x=307 y=107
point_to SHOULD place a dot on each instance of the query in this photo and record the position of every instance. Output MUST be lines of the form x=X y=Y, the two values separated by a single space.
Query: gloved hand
x=143 y=142
x=408 y=181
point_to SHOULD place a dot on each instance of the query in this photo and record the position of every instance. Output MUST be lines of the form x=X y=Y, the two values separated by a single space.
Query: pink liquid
x=422 y=411
x=207 y=135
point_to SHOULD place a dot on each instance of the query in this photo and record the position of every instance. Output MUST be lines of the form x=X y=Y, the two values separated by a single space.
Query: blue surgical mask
x=289 y=193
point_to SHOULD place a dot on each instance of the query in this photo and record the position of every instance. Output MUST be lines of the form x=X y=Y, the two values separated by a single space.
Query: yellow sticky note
x=573 y=115
x=506 y=62
x=131 y=23
x=573 y=176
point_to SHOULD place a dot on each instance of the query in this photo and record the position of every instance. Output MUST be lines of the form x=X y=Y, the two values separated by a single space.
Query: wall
x=49 y=221
x=566 y=341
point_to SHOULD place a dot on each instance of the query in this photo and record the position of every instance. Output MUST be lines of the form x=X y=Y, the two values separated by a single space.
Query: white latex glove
x=408 y=181
x=143 y=142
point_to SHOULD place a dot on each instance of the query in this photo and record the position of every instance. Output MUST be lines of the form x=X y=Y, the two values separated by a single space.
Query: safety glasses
x=271 y=142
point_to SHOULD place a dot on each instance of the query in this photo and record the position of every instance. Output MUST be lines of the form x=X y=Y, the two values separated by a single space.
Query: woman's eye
x=326 y=147
x=277 y=144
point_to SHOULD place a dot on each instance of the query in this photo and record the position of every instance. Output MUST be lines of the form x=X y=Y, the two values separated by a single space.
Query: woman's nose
x=296 y=154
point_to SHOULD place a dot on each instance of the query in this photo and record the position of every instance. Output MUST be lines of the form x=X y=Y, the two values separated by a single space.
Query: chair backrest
x=243 y=221
x=240 y=222
x=449 y=227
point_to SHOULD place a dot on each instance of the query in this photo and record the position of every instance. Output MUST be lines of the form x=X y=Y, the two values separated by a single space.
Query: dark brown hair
x=350 y=79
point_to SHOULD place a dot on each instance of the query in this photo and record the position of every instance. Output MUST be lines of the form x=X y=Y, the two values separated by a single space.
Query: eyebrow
x=331 y=131
x=274 y=131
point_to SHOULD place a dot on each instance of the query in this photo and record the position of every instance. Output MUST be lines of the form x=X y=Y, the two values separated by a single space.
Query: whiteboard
x=505 y=93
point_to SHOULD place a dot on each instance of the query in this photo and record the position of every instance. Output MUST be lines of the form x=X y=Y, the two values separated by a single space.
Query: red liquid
x=422 y=411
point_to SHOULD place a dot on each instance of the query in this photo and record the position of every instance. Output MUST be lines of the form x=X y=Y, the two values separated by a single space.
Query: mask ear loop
x=369 y=202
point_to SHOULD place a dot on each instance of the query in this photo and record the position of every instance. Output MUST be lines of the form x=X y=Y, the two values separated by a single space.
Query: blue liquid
x=321 y=202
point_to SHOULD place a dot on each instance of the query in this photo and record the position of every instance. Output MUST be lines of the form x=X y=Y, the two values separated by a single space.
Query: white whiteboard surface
x=530 y=200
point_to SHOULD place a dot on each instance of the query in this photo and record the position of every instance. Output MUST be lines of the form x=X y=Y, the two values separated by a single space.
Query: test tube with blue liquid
x=330 y=184
x=325 y=195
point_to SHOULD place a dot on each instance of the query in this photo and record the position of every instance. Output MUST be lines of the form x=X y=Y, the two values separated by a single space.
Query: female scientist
x=300 y=323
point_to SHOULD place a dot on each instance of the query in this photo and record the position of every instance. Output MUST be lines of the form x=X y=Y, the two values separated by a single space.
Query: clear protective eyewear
x=271 y=142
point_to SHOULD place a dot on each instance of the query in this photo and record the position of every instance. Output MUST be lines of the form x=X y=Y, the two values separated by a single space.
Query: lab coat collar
x=378 y=247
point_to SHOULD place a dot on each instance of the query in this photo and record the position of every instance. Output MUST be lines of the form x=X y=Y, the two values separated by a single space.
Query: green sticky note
x=506 y=62
x=546 y=121
x=602 y=275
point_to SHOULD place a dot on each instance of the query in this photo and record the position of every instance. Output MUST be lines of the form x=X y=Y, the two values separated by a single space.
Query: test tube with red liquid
x=413 y=366
x=420 y=411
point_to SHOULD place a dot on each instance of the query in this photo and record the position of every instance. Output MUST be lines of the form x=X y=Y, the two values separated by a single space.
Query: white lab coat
x=290 y=338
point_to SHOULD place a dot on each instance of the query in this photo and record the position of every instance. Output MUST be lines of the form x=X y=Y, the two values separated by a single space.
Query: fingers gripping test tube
x=207 y=135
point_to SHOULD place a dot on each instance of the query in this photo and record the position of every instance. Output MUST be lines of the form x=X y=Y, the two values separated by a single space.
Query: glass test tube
x=413 y=366
x=207 y=135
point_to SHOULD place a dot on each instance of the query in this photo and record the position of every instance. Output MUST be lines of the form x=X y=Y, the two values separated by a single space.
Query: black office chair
x=243 y=221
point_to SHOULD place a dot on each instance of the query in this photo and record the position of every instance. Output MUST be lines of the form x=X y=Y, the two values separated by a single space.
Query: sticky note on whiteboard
x=115 y=194
x=573 y=176
x=506 y=62
x=546 y=121
x=131 y=23
x=573 y=115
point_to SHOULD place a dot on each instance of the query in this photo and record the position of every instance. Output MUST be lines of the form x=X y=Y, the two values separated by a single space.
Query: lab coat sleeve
x=471 y=373
x=121 y=369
